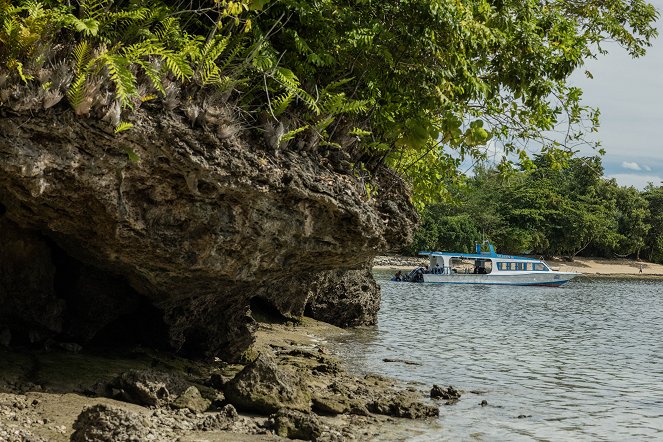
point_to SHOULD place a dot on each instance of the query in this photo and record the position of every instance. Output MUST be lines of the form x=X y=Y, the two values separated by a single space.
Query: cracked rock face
x=176 y=219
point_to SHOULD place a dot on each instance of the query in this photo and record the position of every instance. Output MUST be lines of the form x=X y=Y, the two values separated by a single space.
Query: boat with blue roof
x=487 y=267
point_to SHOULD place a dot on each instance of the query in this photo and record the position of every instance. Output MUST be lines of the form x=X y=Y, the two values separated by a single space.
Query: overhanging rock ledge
x=177 y=230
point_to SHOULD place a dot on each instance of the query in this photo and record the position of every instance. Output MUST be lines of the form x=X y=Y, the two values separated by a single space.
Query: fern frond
x=168 y=31
x=324 y=123
x=287 y=77
x=232 y=55
x=335 y=104
x=337 y=84
x=360 y=132
x=301 y=44
x=137 y=50
x=152 y=73
x=280 y=103
x=87 y=26
x=122 y=77
x=138 y=14
x=95 y=8
x=291 y=134
x=15 y=64
x=264 y=59
x=215 y=47
x=290 y=82
x=124 y=125
x=76 y=91
x=176 y=64
x=82 y=57
x=208 y=73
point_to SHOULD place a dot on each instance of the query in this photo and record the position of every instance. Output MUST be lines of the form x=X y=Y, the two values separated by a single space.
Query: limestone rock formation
x=169 y=231
x=191 y=399
x=345 y=298
x=263 y=387
x=149 y=388
x=105 y=423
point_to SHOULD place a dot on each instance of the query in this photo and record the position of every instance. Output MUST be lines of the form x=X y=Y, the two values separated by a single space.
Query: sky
x=629 y=93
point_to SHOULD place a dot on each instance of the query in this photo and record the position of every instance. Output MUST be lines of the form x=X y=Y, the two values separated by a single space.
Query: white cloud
x=647 y=168
x=631 y=165
x=637 y=181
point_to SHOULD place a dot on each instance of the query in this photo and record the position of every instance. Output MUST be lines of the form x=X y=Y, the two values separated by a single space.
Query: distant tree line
x=549 y=211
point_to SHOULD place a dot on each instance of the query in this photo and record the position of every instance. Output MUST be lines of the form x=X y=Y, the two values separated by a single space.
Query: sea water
x=580 y=362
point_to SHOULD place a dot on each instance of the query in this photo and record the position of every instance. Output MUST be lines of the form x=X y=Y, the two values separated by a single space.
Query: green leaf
x=131 y=154
x=291 y=134
x=258 y=5
x=122 y=126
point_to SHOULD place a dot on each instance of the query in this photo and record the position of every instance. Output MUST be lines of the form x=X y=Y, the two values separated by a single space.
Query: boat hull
x=551 y=279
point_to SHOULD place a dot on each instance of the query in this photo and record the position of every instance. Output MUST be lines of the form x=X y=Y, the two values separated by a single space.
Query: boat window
x=519 y=265
x=500 y=265
x=540 y=267
x=461 y=265
x=525 y=266
x=470 y=266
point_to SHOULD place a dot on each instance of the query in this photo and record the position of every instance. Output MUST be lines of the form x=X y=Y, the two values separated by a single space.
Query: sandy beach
x=595 y=267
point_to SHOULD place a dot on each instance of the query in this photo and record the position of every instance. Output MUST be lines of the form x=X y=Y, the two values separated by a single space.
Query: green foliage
x=131 y=154
x=457 y=74
x=654 y=237
x=548 y=211
x=292 y=134
x=427 y=83
x=124 y=125
x=112 y=44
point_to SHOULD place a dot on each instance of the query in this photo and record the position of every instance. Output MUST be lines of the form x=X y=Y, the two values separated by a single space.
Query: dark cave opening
x=264 y=311
x=308 y=310
x=144 y=326
x=102 y=309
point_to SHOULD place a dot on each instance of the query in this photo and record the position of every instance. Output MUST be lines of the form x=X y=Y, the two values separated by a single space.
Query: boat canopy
x=478 y=255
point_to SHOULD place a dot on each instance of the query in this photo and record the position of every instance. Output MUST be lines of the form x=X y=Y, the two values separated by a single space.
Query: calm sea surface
x=581 y=362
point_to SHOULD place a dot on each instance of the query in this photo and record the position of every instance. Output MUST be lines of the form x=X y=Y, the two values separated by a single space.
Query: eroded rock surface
x=191 y=225
x=345 y=299
x=105 y=423
x=264 y=387
x=149 y=388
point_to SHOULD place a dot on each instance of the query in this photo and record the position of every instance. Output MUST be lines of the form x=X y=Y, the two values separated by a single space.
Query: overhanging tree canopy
x=415 y=84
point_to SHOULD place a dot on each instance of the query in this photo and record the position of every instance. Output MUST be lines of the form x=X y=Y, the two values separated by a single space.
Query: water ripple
x=582 y=362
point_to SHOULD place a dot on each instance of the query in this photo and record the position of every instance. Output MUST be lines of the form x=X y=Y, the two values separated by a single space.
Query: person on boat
x=437 y=269
x=398 y=276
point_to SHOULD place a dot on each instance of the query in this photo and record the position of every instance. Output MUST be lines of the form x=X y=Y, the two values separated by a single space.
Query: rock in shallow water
x=449 y=393
x=403 y=404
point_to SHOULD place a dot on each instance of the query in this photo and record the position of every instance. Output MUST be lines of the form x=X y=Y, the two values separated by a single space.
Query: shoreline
x=45 y=394
x=588 y=267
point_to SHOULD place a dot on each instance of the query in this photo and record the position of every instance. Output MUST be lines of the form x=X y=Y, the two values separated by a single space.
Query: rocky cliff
x=178 y=235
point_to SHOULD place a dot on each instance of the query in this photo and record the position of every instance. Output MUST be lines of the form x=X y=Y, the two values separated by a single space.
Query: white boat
x=487 y=268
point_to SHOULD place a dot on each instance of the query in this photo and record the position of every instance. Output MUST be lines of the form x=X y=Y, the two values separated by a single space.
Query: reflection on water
x=581 y=362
